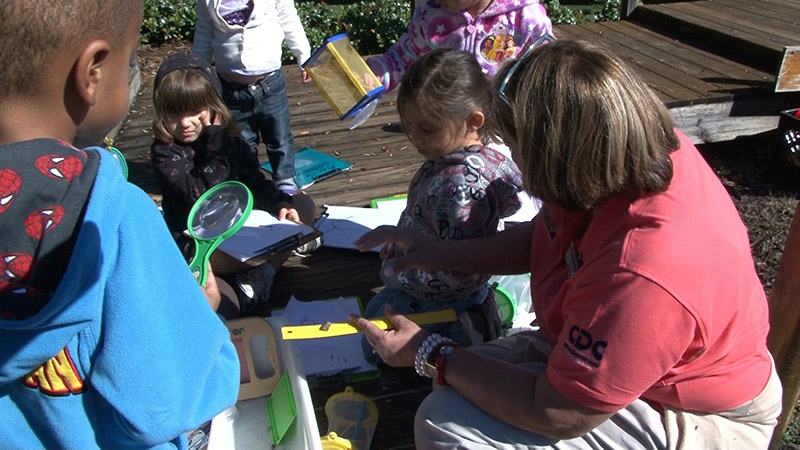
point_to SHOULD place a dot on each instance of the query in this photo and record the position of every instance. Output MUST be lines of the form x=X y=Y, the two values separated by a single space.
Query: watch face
x=431 y=366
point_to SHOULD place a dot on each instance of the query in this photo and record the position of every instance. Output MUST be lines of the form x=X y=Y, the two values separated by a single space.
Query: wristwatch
x=435 y=362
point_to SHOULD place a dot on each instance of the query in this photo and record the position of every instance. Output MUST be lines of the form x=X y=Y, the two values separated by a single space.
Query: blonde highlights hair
x=587 y=126
x=187 y=91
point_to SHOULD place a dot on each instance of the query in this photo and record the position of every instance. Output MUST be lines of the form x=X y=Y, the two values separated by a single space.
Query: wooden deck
x=712 y=95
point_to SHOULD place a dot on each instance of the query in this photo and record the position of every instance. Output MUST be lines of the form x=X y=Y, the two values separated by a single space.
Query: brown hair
x=187 y=91
x=586 y=125
x=447 y=85
x=36 y=31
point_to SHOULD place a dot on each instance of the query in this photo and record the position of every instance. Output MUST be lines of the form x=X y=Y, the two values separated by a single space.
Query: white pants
x=447 y=420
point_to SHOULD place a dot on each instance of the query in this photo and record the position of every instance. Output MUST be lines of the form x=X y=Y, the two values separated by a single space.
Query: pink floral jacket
x=502 y=32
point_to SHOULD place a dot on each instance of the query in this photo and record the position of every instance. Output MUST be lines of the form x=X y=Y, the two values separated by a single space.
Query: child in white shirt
x=245 y=37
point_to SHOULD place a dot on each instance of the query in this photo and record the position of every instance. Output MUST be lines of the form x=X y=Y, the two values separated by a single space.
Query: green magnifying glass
x=217 y=215
x=120 y=160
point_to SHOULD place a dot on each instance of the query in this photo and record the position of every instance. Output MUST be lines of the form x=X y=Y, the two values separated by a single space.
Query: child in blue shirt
x=108 y=341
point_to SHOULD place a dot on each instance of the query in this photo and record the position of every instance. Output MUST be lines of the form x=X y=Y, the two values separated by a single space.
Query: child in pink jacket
x=493 y=30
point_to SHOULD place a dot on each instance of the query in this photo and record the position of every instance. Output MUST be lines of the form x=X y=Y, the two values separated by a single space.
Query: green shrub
x=611 y=10
x=373 y=25
x=167 y=20
x=598 y=11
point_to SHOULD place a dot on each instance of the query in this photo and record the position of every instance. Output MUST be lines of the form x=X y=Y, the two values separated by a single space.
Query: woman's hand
x=211 y=290
x=305 y=76
x=403 y=248
x=397 y=347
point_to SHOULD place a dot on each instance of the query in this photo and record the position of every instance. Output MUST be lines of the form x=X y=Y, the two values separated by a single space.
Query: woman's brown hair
x=586 y=126
x=187 y=91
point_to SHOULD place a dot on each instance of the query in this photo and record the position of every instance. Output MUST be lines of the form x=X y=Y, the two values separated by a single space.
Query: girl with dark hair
x=462 y=190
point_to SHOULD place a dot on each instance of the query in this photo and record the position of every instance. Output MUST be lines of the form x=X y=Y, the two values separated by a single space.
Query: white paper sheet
x=345 y=224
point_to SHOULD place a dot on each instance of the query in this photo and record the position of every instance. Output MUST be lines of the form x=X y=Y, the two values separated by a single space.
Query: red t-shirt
x=666 y=304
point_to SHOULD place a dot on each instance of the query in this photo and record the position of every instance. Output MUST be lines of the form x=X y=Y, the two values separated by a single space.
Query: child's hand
x=206 y=118
x=404 y=248
x=289 y=213
x=211 y=290
x=304 y=74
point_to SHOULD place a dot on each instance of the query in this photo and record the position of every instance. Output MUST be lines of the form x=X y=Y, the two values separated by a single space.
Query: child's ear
x=476 y=120
x=88 y=70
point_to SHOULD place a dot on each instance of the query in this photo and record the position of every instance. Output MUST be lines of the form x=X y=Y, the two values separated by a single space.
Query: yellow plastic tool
x=329 y=329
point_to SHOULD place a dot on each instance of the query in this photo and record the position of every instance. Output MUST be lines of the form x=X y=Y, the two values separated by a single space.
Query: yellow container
x=334 y=442
x=352 y=416
x=345 y=80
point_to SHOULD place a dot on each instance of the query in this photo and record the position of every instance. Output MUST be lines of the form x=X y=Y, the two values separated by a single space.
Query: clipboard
x=264 y=236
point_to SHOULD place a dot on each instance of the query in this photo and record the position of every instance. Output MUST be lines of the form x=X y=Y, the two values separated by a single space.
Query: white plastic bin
x=250 y=430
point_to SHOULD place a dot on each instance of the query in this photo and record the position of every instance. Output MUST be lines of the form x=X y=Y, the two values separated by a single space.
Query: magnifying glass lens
x=217 y=215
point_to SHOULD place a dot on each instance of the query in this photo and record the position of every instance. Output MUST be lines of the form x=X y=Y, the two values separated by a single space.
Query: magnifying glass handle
x=199 y=264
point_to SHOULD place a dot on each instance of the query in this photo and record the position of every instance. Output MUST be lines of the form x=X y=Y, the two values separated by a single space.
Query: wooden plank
x=784 y=315
x=708 y=65
x=356 y=188
x=741 y=31
x=668 y=88
x=768 y=32
x=324 y=119
x=789 y=72
x=686 y=71
x=775 y=14
x=785 y=3
x=679 y=19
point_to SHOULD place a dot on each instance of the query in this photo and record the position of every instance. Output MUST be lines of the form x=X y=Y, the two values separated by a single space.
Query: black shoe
x=253 y=287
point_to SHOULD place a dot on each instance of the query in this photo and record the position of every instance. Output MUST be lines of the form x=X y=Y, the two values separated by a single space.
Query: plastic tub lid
x=281 y=408
x=363 y=114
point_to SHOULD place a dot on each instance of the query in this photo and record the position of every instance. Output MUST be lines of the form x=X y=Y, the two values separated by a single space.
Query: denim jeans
x=262 y=110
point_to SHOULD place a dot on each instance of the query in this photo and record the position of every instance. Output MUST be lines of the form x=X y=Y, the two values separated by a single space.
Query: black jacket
x=185 y=172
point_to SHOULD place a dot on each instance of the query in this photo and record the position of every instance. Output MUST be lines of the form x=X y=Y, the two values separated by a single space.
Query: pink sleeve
x=622 y=334
x=392 y=65
x=535 y=24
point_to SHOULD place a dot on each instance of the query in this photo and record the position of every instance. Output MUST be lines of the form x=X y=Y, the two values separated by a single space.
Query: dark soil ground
x=763 y=185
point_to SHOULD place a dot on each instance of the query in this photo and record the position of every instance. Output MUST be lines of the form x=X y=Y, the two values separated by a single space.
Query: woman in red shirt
x=653 y=322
